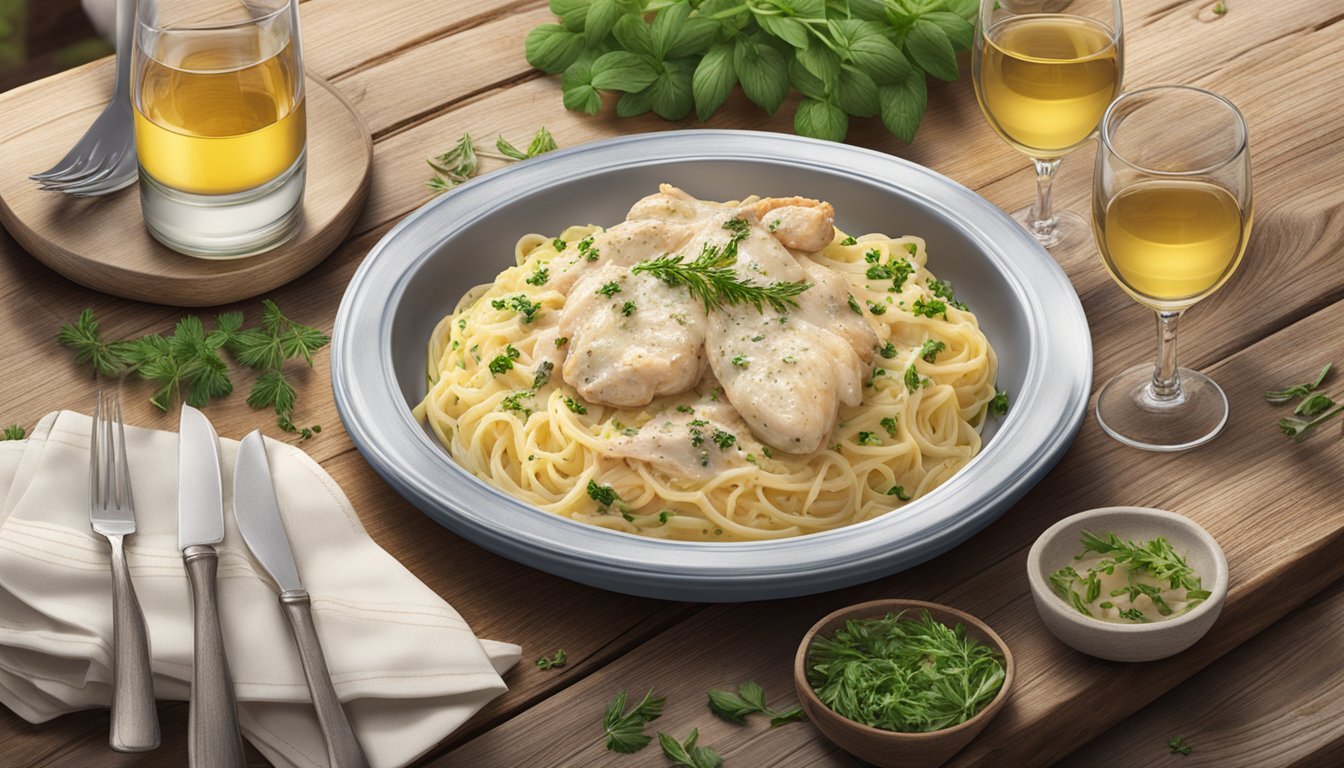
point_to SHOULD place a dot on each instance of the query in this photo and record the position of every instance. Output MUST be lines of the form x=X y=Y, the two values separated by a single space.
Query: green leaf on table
x=84 y=338
x=806 y=83
x=670 y=94
x=601 y=17
x=820 y=120
x=713 y=80
x=552 y=48
x=763 y=73
x=929 y=47
x=858 y=93
x=631 y=104
x=622 y=71
x=902 y=106
x=687 y=754
x=271 y=389
x=1280 y=396
x=667 y=26
x=747 y=700
x=822 y=64
x=542 y=142
x=634 y=36
x=625 y=730
x=863 y=44
x=572 y=13
x=695 y=36
x=579 y=93
x=958 y=30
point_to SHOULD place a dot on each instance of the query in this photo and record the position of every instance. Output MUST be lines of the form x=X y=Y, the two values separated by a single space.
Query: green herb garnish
x=869 y=438
x=889 y=423
x=930 y=349
x=748 y=700
x=723 y=439
x=503 y=362
x=899 y=492
x=575 y=405
x=539 y=277
x=930 y=309
x=602 y=494
x=888 y=350
x=625 y=730
x=628 y=308
x=520 y=304
x=999 y=405
x=687 y=754
x=741 y=361
x=461 y=163
x=903 y=675
x=849 y=240
x=854 y=305
x=14 y=432
x=1177 y=744
x=610 y=289
x=557 y=659
x=913 y=381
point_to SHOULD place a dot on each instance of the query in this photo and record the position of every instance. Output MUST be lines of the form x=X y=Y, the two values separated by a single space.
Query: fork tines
x=112 y=508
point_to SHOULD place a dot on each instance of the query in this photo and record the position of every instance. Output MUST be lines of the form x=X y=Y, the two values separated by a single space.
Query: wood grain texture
x=102 y=242
x=426 y=71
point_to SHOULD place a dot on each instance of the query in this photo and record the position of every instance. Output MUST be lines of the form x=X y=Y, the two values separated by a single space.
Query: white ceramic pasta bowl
x=416 y=274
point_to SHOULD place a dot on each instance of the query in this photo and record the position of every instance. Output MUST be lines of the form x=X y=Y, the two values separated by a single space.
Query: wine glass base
x=1069 y=230
x=1129 y=411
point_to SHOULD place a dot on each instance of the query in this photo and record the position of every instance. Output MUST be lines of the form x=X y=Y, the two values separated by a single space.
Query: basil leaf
x=820 y=61
x=966 y=9
x=695 y=36
x=959 y=31
x=864 y=45
x=820 y=120
x=632 y=104
x=713 y=80
x=633 y=35
x=807 y=83
x=787 y=29
x=873 y=10
x=602 y=16
x=671 y=92
x=622 y=71
x=928 y=45
x=571 y=12
x=763 y=73
x=807 y=9
x=579 y=93
x=666 y=27
x=552 y=48
x=858 y=93
x=902 y=106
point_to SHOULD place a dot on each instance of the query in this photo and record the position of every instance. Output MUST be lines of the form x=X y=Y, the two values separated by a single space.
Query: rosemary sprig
x=711 y=278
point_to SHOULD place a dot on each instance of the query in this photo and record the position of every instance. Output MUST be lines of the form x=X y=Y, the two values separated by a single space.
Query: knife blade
x=258 y=515
x=213 y=738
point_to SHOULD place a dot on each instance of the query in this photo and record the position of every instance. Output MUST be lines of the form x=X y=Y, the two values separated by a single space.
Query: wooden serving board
x=102 y=243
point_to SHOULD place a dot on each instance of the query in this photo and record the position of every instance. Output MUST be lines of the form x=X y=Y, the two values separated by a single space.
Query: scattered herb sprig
x=687 y=754
x=13 y=432
x=672 y=57
x=1313 y=407
x=748 y=700
x=187 y=364
x=1177 y=744
x=625 y=730
x=462 y=162
x=557 y=659
x=904 y=675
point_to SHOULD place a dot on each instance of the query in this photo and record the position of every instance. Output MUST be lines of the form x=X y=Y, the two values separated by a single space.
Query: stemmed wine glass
x=1045 y=71
x=1171 y=211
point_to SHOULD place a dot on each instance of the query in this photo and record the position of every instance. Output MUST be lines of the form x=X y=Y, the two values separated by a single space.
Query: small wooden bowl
x=892 y=749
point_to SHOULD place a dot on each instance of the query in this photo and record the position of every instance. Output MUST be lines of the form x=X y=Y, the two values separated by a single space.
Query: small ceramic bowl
x=890 y=749
x=1059 y=544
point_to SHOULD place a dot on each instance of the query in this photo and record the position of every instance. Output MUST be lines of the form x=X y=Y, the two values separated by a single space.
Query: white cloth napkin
x=404 y=662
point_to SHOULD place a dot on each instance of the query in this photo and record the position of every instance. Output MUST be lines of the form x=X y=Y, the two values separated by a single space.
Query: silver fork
x=97 y=164
x=135 y=722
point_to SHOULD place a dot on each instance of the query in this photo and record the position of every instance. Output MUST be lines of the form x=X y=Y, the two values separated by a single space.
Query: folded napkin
x=404 y=662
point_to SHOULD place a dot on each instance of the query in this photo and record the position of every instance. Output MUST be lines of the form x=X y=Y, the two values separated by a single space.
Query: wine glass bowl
x=1171 y=213
x=1044 y=74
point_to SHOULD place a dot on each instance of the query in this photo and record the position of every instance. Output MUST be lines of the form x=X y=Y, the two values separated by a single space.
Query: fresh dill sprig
x=904 y=675
x=1156 y=557
x=711 y=278
x=625 y=730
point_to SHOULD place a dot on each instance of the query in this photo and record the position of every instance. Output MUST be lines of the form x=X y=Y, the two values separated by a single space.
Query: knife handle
x=343 y=749
x=212 y=721
x=135 y=722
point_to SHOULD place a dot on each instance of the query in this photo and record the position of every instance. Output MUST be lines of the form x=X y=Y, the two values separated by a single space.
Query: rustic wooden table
x=1261 y=689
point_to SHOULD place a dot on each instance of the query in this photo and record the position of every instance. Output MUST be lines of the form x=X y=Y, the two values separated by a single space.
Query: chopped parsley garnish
x=872 y=256
x=943 y=290
x=610 y=289
x=559 y=244
x=514 y=402
x=664 y=516
x=723 y=439
x=913 y=380
x=758 y=337
x=869 y=438
x=602 y=494
x=854 y=305
x=540 y=277
x=930 y=309
x=697 y=437
x=521 y=304
x=774 y=225
x=889 y=423
x=912 y=249
x=741 y=361
x=930 y=349
x=575 y=405
x=504 y=361
x=999 y=405
x=683 y=408
x=877 y=309
x=628 y=308
x=561 y=341
x=543 y=374
x=899 y=492
x=1133 y=614
x=849 y=241
x=888 y=351
x=768 y=453
x=587 y=250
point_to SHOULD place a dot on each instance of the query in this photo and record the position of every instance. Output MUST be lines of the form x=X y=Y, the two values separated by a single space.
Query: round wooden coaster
x=101 y=242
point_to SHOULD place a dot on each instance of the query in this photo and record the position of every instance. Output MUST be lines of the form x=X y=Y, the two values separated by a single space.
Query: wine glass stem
x=1166 y=374
x=1042 y=214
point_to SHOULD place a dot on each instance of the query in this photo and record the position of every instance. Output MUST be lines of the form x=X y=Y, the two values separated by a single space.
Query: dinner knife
x=258 y=516
x=212 y=721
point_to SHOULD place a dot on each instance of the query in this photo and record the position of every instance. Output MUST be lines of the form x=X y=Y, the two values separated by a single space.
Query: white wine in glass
x=1043 y=79
x=1171 y=211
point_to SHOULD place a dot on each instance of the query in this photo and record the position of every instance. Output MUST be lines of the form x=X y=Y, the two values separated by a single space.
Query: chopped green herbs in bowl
x=902 y=682
x=1147 y=588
